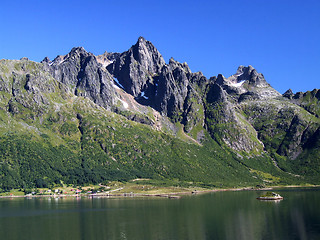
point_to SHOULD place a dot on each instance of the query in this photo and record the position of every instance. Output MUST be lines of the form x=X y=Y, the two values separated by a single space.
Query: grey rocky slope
x=232 y=109
x=81 y=73
x=242 y=112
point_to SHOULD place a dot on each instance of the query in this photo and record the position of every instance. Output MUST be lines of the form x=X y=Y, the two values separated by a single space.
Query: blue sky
x=281 y=39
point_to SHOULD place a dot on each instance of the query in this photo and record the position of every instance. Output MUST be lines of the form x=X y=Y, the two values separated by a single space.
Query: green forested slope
x=52 y=133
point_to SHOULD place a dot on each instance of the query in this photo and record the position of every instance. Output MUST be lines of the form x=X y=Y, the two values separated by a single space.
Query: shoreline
x=174 y=195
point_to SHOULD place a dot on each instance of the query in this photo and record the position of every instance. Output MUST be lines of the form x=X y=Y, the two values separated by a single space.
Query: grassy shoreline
x=130 y=190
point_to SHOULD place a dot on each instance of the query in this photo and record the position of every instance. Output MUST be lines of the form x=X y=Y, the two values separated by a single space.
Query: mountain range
x=82 y=119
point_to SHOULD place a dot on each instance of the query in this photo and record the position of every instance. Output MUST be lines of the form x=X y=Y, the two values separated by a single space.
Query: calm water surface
x=220 y=215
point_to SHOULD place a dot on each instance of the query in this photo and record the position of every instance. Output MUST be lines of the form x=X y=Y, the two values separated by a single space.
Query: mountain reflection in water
x=219 y=215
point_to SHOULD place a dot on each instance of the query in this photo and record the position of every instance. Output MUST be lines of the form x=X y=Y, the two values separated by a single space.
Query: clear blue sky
x=280 y=38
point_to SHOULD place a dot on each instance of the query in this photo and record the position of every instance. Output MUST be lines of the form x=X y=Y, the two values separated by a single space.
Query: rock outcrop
x=242 y=111
x=135 y=68
x=168 y=88
x=83 y=118
x=247 y=84
x=84 y=76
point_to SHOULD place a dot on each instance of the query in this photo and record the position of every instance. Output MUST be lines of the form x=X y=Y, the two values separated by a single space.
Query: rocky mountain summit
x=82 y=74
x=216 y=104
x=241 y=115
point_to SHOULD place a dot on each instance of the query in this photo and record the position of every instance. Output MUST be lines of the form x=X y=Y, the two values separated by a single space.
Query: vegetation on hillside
x=50 y=137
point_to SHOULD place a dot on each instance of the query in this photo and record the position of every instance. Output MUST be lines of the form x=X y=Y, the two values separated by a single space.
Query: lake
x=218 y=215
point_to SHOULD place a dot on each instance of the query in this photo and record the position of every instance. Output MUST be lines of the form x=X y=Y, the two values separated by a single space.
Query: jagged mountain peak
x=142 y=40
x=83 y=75
x=247 y=80
x=173 y=64
x=135 y=68
x=288 y=94
x=78 y=50
x=75 y=54
x=245 y=73
x=145 y=53
x=251 y=74
x=107 y=58
x=65 y=98
x=46 y=60
x=242 y=69
x=171 y=60
x=221 y=80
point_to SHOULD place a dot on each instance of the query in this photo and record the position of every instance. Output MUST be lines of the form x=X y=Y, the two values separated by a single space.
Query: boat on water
x=270 y=196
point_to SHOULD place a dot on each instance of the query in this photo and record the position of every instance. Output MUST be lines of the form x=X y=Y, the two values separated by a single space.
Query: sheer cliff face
x=233 y=110
x=136 y=67
x=261 y=119
x=168 y=88
x=81 y=73
x=242 y=111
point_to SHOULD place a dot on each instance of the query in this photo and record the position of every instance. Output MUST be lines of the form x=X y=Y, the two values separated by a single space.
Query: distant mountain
x=83 y=119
